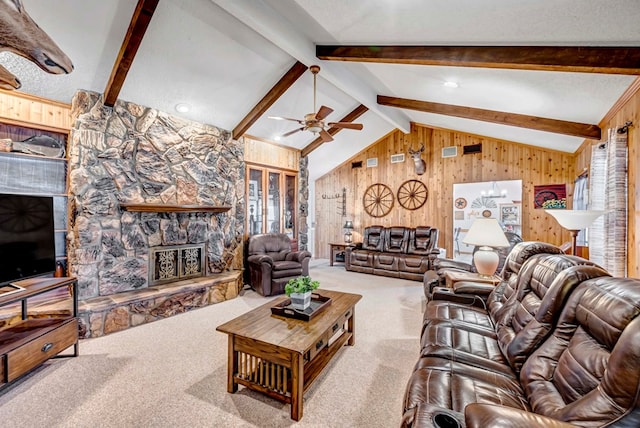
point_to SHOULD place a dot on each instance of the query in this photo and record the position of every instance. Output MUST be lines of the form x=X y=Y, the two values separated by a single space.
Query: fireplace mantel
x=169 y=208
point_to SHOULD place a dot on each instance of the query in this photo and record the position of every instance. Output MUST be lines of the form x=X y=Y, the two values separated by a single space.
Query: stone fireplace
x=139 y=179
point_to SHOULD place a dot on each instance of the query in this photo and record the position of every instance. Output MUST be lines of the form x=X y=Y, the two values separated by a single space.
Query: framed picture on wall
x=510 y=213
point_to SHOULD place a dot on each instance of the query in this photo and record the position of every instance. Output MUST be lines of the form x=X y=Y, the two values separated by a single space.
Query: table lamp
x=574 y=221
x=487 y=234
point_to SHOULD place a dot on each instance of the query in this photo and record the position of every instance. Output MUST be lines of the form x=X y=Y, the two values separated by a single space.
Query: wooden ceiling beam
x=271 y=97
x=132 y=40
x=350 y=117
x=512 y=119
x=583 y=59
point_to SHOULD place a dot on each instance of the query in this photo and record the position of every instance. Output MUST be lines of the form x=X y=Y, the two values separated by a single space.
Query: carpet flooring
x=172 y=373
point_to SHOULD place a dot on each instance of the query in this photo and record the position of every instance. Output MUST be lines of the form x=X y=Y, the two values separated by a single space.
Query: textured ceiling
x=222 y=56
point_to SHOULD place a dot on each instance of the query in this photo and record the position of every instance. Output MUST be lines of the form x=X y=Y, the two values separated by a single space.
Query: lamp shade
x=486 y=232
x=575 y=219
x=348 y=224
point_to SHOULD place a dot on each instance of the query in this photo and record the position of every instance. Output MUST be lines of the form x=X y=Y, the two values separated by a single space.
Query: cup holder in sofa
x=445 y=420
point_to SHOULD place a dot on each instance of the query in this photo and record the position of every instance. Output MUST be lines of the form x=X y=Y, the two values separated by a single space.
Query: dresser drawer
x=40 y=349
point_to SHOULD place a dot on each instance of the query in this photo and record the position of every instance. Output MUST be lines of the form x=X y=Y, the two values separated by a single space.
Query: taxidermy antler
x=21 y=35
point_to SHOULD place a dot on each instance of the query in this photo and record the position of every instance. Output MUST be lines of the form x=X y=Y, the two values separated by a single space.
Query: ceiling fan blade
x=323 y=112
x=347 y=125
x=292 y=132
x=286 y=118
x=326 y=137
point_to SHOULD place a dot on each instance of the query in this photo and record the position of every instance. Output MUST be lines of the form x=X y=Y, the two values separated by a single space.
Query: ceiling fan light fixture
x=314 y=128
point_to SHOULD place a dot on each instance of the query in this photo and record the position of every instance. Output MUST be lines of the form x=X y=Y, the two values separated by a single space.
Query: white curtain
x=608 y=191
x=580 y=202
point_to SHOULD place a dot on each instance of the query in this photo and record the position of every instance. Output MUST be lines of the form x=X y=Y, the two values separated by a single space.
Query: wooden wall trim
x=17 y=108
x=622 y=101
x=271 y=167
x=25 y=96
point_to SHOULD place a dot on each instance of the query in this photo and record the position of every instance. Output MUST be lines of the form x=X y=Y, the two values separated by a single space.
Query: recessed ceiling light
x=450 y=84
x=276 y=138
x=183 y=108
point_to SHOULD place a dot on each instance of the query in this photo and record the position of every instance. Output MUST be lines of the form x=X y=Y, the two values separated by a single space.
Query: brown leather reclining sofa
x=562 y=351
x=398 y=252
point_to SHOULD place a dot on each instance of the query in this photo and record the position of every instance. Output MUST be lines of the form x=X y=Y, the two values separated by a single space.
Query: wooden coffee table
x=281 y=357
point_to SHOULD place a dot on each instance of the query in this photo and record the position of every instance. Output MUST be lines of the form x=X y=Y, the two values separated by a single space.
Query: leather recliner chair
x=272 y=263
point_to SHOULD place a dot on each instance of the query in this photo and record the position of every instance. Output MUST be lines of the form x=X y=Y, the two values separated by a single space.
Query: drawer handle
x=47 y=347
x=347 y=314
x=319 y=344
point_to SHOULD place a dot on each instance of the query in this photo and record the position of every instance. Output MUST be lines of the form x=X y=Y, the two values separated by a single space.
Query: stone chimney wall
x=134 y=154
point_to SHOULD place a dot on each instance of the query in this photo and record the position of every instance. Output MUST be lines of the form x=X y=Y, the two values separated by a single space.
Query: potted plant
x=299 y=291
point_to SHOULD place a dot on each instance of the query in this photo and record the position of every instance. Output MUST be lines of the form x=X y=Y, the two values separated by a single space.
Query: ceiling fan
x=314 y=122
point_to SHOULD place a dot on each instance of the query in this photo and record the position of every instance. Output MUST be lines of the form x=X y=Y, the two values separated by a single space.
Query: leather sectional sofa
x=561 y=351
x=398 y=252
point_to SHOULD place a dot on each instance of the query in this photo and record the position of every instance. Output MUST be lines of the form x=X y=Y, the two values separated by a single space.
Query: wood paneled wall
x=265 y=153
x=629 y=111
x=21 y=109
x=499 y=160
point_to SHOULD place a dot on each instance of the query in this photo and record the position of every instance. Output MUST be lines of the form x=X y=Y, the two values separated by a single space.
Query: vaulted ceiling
x=383 y=63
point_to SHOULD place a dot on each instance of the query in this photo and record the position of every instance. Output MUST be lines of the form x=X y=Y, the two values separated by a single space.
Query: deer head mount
x=22 y=36
x=419 y=163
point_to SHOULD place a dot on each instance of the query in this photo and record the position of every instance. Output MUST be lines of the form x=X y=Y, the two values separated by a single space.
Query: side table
x=334 y=250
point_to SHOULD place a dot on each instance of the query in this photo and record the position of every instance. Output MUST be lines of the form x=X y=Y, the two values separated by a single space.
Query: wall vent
x=372 y=162
x=449 y=152
x=399 y=158
x=357 y=164
x=472 y=148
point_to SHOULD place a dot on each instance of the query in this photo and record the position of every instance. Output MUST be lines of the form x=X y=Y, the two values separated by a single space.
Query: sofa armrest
x=297 y=256
x=260 y=258
x=496 y=416
x=471 y=287
x=442 y=293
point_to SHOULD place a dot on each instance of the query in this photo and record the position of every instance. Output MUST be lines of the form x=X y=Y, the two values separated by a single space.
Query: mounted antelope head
x=419 y=164
x=21 y=35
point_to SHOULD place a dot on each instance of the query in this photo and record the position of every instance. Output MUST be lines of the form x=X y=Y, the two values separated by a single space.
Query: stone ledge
x=108 y=314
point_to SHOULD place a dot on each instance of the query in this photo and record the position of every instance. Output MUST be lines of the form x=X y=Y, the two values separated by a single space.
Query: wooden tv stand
x=30 y=342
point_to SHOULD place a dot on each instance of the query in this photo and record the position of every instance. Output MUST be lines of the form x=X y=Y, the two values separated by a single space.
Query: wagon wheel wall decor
x=378 y=200
x=412 y=194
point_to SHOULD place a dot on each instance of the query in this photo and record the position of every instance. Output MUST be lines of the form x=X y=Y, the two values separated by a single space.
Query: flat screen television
x=27 y=241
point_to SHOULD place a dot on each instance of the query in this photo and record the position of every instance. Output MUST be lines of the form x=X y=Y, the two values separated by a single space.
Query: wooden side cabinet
x=30 y=342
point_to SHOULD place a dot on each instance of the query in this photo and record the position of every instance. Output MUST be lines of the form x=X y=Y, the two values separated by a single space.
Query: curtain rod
x=624 y=129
